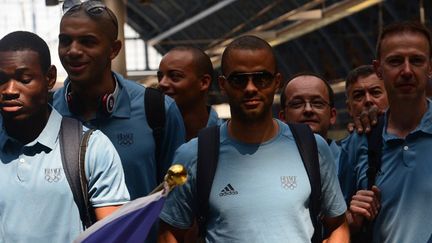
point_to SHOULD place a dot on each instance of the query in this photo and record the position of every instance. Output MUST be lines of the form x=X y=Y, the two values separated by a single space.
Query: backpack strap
x=307 y=147
x=154 y=103
x=73 y=145
x=208 y=156
x=375 y=143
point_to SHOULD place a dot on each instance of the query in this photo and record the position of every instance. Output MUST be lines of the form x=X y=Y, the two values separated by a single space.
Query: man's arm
x=170 y=234
x=102 y=212
x=365 y=204
x=338 y=229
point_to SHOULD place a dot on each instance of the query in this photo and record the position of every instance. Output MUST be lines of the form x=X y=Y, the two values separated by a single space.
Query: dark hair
x=329 y=88
x=403 y=27
x=358 y=72
x=106 y=17
x=202 y=62
x=247 y=42
x=23 y=40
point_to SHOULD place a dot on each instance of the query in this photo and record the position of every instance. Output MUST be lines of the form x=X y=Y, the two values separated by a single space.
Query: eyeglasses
x=317 y=104
x=92 y=7
x=261 y=80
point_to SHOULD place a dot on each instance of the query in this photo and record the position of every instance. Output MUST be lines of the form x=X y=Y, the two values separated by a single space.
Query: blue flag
x=130 y=223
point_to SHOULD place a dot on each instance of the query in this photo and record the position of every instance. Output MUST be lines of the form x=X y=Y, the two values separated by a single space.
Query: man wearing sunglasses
x=260 y=187
x=103 y=99
x=308 y=98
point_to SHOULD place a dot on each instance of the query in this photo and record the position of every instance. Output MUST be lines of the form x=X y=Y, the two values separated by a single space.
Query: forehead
x=12 y=60
x=244 y=60
x=405 y=43
x=177 y=59
x=306 y=86
x=79 y=24
x=367 y=82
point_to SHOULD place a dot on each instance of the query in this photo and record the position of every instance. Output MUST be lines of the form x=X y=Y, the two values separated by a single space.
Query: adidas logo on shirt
x=228 y=190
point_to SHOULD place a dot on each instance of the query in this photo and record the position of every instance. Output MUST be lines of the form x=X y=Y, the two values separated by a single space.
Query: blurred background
x=329 y=37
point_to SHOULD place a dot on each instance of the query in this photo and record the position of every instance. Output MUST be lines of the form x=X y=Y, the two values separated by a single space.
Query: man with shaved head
x=185 y=74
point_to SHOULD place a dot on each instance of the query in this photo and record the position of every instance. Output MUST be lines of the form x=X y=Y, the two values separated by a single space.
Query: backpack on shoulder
x=208 y=156
x=375 y=144
x=154 y=103
x=73 y=146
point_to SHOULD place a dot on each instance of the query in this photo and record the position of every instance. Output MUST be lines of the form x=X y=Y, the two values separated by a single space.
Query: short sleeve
x=180 y=207
x=333 y=203
x=104 y=172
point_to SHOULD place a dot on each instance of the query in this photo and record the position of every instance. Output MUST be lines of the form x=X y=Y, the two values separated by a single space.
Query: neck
x=89 y=93
x=253 y=131
x=404 y=117
x=27 y=130
x=194 y=118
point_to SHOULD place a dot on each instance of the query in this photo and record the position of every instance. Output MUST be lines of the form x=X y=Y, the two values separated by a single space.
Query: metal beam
x=331 y=14
x=190 y=21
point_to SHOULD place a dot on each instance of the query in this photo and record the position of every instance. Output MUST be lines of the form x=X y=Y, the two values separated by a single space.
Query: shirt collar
x=122 y=106
x=46 y=140
x=425 y=125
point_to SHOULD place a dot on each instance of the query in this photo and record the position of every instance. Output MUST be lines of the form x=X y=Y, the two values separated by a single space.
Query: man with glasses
x=103 y=99
x=260 y=187
x=308 y=98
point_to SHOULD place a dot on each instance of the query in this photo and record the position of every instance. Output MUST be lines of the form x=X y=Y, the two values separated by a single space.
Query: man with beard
x=248 y=202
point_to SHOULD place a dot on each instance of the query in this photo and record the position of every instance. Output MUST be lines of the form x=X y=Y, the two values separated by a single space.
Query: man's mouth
x=10 y=106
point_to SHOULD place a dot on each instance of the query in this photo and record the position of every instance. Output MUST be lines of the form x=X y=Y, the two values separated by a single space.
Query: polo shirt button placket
x=23 y=169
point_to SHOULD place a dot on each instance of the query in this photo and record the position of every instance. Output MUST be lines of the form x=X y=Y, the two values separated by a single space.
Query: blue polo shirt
x=213 y=118
x=36 y=202
x=128 y=130
x=260 y=192
x=404 y=180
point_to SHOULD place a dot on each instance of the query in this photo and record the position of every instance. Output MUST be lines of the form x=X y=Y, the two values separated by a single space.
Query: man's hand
x=365 y=204
x=365 y=120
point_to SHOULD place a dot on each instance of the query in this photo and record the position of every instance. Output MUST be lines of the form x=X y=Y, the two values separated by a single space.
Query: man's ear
x=115 y=49
x=278 y=78
x=205 y=82
x=333 y=115
x=222 y=82
x=51 y=77
x=282 y=115
x=377 y=67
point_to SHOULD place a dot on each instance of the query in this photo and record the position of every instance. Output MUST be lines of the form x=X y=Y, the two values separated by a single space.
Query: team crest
x=289 y=182
x=53 y=174
x=125 y=139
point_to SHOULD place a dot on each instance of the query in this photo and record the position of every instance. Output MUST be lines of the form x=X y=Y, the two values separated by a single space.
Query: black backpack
x=208 y=156
x=375 y=144
x=73 y=155
x=73 y=146
x=154 y=102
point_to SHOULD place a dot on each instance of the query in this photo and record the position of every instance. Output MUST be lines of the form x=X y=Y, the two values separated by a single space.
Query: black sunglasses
x=92 y=7
x=261 y=80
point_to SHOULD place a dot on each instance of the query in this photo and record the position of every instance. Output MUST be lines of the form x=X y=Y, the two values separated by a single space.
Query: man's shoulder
x=132 y=87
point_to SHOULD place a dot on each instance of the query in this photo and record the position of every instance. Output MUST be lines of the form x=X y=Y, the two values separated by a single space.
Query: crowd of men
x=259 y=179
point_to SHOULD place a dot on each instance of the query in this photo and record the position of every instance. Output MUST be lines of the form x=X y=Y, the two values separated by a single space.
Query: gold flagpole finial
x=176 y=176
